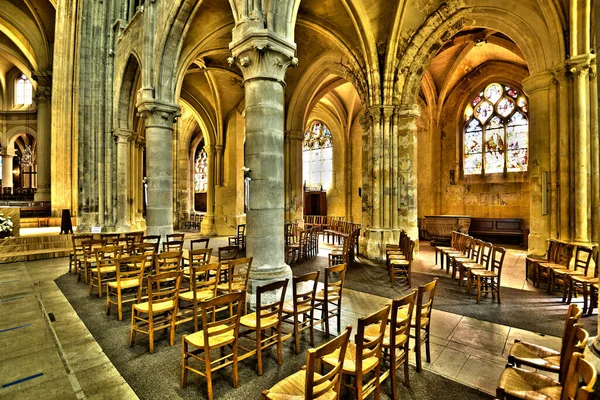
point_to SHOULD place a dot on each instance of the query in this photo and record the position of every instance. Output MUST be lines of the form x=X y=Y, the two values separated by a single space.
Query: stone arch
x=15 y=132
x=129 y=80
x=202 y=118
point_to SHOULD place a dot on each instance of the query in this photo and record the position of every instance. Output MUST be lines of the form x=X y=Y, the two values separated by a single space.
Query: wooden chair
x=137 y=236
x=89 y=257
x=421 y=323
x=173 y=245
x=197 y=243
x=304 y=289
x=584 y=285
x=562 y=276
x=462 y=241
x=239 y=239
x=563 y=255
x=363 y=356
x=543 y=358
x=154 y=239
x=168 y=261
x=488 y=280
x=468 y=256
x=110 y=238
x=160 y=309
x=234 y=275
x=298 y=251
x=395 y=340
x=308 y=383
x=106 y=267
x=475 y=257
x=175 y=237
x=227 y=253
x=203 y=286
x=329 y=300
x=484 y=262
x=267 y=316
x=126 y=243
x=215 y=334
x=402 y=268
x=76 y=256
x=532 y=260
x=195 y=257
x=517 y=383
x=454 y=244
x=130 y=274
x=148 y=250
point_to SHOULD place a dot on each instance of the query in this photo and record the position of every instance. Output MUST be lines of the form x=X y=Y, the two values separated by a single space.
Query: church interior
x=257 y=168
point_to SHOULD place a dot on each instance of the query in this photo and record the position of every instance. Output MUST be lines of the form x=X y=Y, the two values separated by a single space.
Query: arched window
x=23 y=91
x=201 y=172
x=317 y=157
x=496 y=133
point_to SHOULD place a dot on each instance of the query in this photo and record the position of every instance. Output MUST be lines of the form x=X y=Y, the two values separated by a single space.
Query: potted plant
x=6 y=226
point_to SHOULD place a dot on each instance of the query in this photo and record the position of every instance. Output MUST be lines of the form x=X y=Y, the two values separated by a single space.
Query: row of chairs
x=398 y=258
x=344 y=253
x=566 y=267
x=304 y=247
x=474 y=262
x=192 y=221
x=339 y=230
x=321 y=222
x=575 y=376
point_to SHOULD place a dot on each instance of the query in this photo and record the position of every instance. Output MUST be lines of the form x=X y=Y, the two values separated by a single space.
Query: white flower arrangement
x=6 y=224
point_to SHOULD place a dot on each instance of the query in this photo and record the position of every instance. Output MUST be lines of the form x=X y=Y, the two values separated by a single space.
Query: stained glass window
x=201 y=172
x=317 y=157
x=23 y=91
x=496 y=132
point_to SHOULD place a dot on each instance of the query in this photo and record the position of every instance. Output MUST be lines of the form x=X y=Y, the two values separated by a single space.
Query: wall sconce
x=16 y=172
x=545 y=193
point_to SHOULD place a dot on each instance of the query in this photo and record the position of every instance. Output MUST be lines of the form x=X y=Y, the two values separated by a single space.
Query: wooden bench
x=511 y=227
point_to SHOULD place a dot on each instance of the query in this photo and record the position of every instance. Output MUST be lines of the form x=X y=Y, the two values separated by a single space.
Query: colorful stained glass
x=517 y=132
x=476 y=101
x=468 y=112
x=512 y=92
x=317 y=157
x=506 y=106
x=484 y=111
x=494 y=146
x=493 y=92
x=473 y=164
x=201 y=172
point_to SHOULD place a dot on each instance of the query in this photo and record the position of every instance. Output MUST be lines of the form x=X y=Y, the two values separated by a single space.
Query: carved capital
x=43 y=94
x=375 y=113
x=140 y=141
x=580 y=65
x=158 y=114
x=263 y=55
x=365 y=122
x=388 y=112
x=122 y=136
x=7 y=153
x=409 y=111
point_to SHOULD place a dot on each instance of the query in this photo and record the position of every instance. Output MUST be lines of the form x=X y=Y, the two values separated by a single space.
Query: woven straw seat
x=320 y=296
x=526 y=385
x=200 y=295
x=399 y=262
x=372 y=331
x=197 y=338
x=483 y=272
x=157 y=308
x=249 y=321
x=293 y=388
x=537 y=356
x=350 y=360
x=288 y=307
x=125 y=283
x=569 y=272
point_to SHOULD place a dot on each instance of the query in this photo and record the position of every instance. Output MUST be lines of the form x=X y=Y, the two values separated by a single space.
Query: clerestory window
x=23 y=91
x=317 y=157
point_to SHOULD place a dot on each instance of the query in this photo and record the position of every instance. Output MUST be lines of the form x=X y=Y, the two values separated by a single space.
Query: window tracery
x=23 y=91
x=317 y=157
x=496 y=132
x=201 y=172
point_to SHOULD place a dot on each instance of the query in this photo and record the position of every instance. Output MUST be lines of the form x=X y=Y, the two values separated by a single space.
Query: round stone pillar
x=160 y=118
x=294 y=191
x=7 y=168
x=208 y=223
x=123 y=138
x=44 y=124
x=263 y=60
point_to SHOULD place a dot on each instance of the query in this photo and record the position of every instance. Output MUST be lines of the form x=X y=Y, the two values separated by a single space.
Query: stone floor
x=46 y=351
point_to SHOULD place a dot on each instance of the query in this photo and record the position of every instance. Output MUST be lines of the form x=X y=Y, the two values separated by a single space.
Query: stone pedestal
x=160 y=118
x=263 y=59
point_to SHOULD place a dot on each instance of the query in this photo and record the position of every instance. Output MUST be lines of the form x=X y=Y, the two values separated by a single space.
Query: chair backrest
x=400 y=316
x=137 y=236
x=126 y=243
x=200 y=256
x=576 y=341
x=497 y=260
x=241 y=230
x=565 y=253
x=173 y=245
x=204 y=277
x=573 y=315
x=304 y=289
x=583 y=257
x=148 y=250
x=168 y=261
x=468 y=248
x=425 y=295
x=228 y=322
x=227 y=253
x=553 y=247
x=238 y=272
x=155 y=239
x=274 y=308
x=316 y=386
x=198 y=243
x=409 y=250
x=173 y=237
x=476 y=250
x=334 y=281
x=579 y=371
x=78 y=240
x=162 y=287
x=107 y=255
x=130 y=267
x=370 y=346
x=401 y=238
x=89 y=248
x=486 y=254
x=111 y=238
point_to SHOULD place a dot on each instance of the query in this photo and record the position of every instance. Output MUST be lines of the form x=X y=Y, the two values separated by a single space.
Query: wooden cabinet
x=315 y=203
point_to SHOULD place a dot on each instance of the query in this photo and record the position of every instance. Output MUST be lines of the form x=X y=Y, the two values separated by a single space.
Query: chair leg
x=234 y=368
x=339 y=316
x=406 y=373
x=119 y=302
x=325 y=318
x=259 y=351
x=478 y=289
x=132 y=330
x=376 y=394
x=151 y=335
x=183 y=362
x=418 y=347
x=208 y=372
x=586 y=299
x=427 y=347
x=498 y=290
x=296 y=333
x=393 y=367
x=279 y=346
x=312 y=327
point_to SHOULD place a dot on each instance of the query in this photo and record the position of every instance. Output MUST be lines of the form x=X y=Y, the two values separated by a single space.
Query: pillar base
x=267 y=274
x=123 y=226
x=208 y=225
x=372 y=244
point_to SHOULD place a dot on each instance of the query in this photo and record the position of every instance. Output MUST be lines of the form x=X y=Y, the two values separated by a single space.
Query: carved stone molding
x=263 y=55
x=210 y=150
x=158 y=114
x=409 y=111
x=122 y=135
x=43 y=94
x=297 y=136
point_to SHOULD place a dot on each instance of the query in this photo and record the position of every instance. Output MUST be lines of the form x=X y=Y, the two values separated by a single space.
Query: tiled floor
x=47 y=352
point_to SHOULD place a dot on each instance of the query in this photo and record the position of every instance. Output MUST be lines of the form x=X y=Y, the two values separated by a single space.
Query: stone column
x=160 y=118
x=44 y=124
x=387 y=186
x=208 y=223
x=294 y=189
x=377 y=170
x=123 y=138
x=595 y=156
x=264 y=59
x=407 y=170
x=137 y=188
x=7 y=167
x=579 y=67
x=219 y=165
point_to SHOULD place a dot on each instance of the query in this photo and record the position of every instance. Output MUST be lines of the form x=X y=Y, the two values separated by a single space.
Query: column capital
x=43 y=94
x=365 y=122
x=388 y=112
x=541 y=81
x=580 y=64
x=219 y=148
x=7 y=152
x=210 y=150
x=261 y=54
x=122 y=135
x=293 y=135
x=158 y=114
x=409 y=111
x=375 y=113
